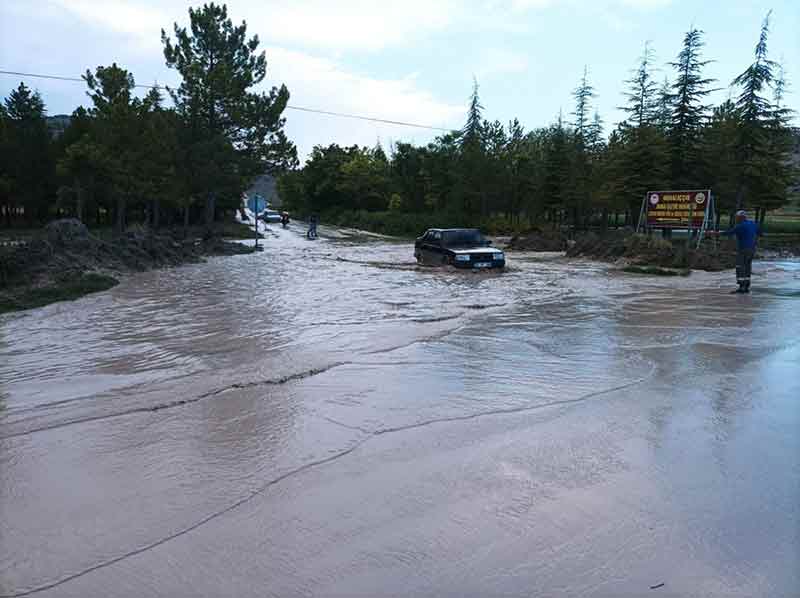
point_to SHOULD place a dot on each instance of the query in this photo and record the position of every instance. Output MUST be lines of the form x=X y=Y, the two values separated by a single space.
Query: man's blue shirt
x=746 y=232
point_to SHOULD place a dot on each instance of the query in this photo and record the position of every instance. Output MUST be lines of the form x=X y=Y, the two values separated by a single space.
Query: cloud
x=646 y=4
x=349 y=24
x=500 y=61
x=340 y=25
x=321 y=82
x=285 y=30
x=140 y=21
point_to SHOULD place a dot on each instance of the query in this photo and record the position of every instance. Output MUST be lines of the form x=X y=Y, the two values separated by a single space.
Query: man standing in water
x=747 y=233
x=313 y=220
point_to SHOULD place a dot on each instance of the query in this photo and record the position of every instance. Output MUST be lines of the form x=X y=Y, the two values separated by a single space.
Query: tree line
x=133 y=158
x=571 y=172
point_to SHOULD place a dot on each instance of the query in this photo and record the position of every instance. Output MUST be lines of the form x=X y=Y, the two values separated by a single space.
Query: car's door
x=432 y=246
x=435 y=247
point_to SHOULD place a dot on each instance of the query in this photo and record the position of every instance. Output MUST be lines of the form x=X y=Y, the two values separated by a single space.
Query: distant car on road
x=459 y=247
x=270 y=216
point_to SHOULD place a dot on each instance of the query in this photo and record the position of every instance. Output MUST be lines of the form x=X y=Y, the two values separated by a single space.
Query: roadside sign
x=677 y=209
x=256 y=204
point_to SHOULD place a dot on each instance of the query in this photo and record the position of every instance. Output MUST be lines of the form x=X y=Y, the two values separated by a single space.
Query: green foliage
x=689 y=114
x=129 y=157
x=27 y=165
x=231 y=134
x=763 y=138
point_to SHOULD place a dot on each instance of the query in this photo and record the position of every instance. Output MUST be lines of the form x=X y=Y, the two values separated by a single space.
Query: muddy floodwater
x=327 y=419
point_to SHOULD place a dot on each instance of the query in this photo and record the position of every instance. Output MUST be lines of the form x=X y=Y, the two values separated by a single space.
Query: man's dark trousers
x=744 y=264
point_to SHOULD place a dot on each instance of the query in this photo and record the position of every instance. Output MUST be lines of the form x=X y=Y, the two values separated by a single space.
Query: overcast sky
x=411 y=60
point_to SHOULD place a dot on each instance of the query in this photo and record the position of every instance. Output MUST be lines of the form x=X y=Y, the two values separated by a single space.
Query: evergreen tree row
x=570 y=172
x=127 y=157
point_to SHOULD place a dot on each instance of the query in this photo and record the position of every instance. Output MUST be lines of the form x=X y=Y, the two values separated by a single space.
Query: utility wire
x=288 y=106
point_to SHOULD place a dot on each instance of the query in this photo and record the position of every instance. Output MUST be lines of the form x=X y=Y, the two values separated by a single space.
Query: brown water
x=327 y=419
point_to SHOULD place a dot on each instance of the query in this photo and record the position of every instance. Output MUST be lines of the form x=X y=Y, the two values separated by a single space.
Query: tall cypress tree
x=583 y=95
x=642 y=91
x=689 y=113
x=473 y=157
x=762 y=161
x=580 y=167
x=721 y=170
x=663 y=106
x=640 y=160
x=471 y=133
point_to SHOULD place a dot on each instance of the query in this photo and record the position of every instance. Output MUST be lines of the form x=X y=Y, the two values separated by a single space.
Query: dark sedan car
x=460 y=247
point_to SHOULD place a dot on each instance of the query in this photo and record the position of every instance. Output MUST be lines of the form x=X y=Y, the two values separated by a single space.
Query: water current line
x=313 y=465
x=337 y=456
x=179 y=402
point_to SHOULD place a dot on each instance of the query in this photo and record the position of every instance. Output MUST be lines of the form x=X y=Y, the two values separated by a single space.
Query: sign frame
x=690 y=224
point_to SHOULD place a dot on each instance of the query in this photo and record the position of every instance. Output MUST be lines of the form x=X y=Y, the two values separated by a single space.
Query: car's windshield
x=464 y=237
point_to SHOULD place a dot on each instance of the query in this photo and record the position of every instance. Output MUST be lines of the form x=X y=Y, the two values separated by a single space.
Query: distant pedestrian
x=312 y=226
x=747 y=233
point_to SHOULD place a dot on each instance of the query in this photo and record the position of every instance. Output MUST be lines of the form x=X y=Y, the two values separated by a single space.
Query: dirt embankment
x=630 y=249
x=538 y=241
x=642 y=250
x=67 y=261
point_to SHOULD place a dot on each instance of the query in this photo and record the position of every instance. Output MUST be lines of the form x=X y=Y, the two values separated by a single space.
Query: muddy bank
x=66 y=261
x=642 y=250
x=538 y=241
x=638 y=250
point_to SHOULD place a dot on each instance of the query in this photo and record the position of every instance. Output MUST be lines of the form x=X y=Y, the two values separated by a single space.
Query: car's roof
x=446 y=230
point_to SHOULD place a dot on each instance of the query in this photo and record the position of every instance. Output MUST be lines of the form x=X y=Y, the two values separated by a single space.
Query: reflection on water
x=194 y=402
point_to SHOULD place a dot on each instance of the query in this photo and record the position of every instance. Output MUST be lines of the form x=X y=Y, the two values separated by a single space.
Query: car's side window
x=437 y=236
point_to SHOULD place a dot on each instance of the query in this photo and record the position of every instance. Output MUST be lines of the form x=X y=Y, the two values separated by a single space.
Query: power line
x=288 y=106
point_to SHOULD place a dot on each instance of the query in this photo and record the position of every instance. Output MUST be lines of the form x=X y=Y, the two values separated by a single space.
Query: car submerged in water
x=459 y=247
x=270 y=215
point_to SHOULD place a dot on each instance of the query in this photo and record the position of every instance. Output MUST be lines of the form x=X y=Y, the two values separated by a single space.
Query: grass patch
x=657 y=271
x=30 y=298
x=782 y=225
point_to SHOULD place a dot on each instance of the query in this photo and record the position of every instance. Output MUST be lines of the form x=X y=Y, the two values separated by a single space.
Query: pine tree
x=663 y=106
x=556 y=169
x=583 y=95
x=638 y=153
x=473 y=158
x=472 y=129
x=721 y=170
x=27 y=160
x=689 y=114
x=762 y=161
x=642 y=91
x=594 y=135
x=116 y=131
x=578 y=190
x=520 y=181
x=236 y=133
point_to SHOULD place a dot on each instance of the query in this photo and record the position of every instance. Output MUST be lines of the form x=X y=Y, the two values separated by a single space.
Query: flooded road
x=324 y=418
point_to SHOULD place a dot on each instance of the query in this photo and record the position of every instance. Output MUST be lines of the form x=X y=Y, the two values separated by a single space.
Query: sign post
x=690 y=210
